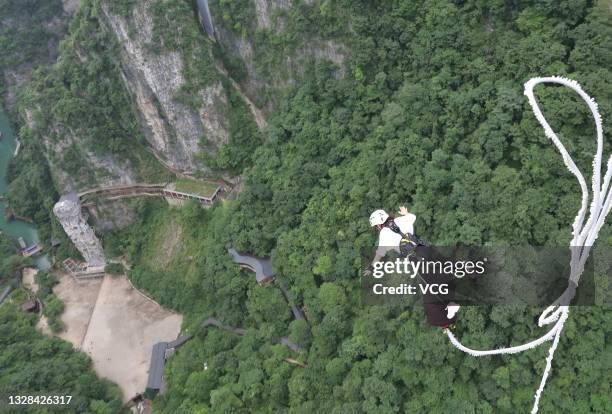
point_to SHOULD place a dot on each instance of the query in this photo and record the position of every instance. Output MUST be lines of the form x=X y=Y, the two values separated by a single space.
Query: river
x=14 y=228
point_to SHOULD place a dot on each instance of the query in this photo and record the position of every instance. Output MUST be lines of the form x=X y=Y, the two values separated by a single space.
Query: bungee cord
x=584 y=234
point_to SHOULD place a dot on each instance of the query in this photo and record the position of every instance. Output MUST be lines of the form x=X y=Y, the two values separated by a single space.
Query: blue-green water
x=14 y=228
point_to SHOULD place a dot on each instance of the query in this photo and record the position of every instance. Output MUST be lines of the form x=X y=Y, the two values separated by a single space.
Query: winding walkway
x=158 y=355
x=263 y=274
x=146 y=190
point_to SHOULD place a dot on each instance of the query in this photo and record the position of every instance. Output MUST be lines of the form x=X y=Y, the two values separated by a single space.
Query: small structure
x=30 y=306
x=31 y=250
x=55 y=242
x=145 y=190
x=5 y=293
x=27 y=251
x=163 y=350
x=289 y=344
x=295 y=362
x=156 y=367
x=81 y=270
x=297 y=313
x=261 y=267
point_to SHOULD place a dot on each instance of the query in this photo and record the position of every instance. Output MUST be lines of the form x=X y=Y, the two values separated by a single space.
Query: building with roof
x=261 y=267
x=156 y=367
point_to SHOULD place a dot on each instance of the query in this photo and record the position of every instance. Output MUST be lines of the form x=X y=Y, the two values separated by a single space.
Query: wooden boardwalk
x=160 y=351
x=146 y=190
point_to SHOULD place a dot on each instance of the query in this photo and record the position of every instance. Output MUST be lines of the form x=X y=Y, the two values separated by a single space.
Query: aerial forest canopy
x=428 y=111
x=431 y=114
x=34 y=364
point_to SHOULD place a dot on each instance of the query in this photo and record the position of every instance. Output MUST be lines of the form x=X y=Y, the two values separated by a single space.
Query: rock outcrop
x=102 y=169
x=54 y=22
x=262 y=80
x=155 y=78
x=68 y=212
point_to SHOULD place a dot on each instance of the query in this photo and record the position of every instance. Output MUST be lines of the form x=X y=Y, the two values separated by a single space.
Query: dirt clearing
x=121 y=333
x=29 y=279
x=79 y=301
x=113 y=323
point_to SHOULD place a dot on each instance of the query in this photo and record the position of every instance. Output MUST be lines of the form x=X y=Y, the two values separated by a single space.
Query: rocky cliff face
x=50 y=22
x=177 y=88
x=266 y=74
x=102 y=169
x=177 y=132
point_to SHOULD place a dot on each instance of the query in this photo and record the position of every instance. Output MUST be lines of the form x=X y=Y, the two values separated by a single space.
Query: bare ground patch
x=121 y=333
x=114 y=324
x=79 y=301
x=29 y=279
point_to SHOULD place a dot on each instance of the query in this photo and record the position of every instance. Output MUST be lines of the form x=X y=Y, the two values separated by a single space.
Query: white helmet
x=378 y=217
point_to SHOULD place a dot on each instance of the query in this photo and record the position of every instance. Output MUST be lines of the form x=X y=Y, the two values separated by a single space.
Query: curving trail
x=584 y=234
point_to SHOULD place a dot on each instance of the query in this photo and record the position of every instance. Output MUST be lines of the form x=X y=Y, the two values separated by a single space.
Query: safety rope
x=583 y=235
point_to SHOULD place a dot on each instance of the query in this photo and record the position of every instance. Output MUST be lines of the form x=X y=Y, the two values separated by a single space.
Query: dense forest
x=430 y=113
x=25 y=33
x=34 y=364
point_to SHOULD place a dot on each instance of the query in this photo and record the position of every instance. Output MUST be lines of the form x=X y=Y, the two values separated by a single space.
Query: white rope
x=584 y=234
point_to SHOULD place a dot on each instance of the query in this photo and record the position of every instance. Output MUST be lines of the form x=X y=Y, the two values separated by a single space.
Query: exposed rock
x=263 y=14
x=56 y=26
x=155 y=79
x=262 y=80
x=265 y=9
x=104 y=170
x=331 y=51
x=70 y=6
x=68 y=212
x=109 y=215
x=214 y=123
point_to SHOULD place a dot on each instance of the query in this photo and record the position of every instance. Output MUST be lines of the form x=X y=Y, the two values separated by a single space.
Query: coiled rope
x=584 y=234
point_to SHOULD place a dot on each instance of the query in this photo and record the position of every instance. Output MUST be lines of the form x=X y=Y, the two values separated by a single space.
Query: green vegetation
x=34 y=364
x=431 y=114
x=239 y=15
x=53 y=306
x=279 y=52
x=80 y=101
x=202 y=188
x=237 y=154
x=83 y=96
x=10 y=261
x=31 y=190
x=114 y=269
x=26 y=32
x=176 y=29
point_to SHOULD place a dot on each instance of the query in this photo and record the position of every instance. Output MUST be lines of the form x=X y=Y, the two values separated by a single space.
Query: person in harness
x=397 y=234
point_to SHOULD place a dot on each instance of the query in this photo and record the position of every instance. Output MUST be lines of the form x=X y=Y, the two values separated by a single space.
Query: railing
x=151 y=190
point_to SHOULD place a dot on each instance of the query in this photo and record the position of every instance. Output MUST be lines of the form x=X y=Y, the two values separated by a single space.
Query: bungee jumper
x=396 y=234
